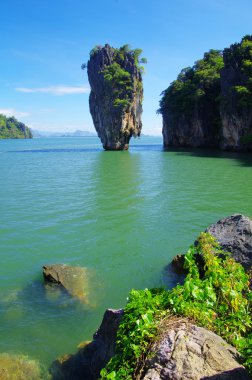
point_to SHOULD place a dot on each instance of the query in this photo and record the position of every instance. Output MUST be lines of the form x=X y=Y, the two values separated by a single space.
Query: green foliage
x=215 y=294
x=194 y=86
x=10 y=128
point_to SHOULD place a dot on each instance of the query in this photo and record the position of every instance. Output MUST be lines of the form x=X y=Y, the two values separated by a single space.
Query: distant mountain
x=78 y=133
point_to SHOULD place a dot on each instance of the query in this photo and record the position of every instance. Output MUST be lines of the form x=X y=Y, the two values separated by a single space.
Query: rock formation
x=234 y=234
x=116 y=95
x=75 y=280
x=188 y=352
x=89 y=360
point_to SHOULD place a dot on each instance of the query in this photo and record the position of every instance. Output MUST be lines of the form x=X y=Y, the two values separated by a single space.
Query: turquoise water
x=123 y=215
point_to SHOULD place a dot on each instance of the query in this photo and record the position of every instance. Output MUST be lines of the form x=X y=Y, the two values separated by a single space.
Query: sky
x=44 y=42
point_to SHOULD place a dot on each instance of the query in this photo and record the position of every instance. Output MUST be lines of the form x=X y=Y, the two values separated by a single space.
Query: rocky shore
x=181 y=349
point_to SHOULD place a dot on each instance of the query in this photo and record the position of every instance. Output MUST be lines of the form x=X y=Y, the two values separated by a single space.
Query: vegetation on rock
x=118 y=75
x=215 y=294
x=11 y=128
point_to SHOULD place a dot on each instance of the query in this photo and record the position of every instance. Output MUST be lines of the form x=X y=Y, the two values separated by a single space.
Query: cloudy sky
x=44 y=42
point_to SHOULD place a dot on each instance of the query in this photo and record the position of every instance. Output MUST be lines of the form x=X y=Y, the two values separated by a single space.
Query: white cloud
x=56 y=90
x=13 y=112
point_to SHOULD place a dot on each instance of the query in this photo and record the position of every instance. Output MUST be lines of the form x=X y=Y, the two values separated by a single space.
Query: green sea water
x=123 y=215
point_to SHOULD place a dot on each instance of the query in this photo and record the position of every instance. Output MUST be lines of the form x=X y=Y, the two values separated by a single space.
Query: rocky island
x=116 y=96
x=11 y=128
x=210 y=104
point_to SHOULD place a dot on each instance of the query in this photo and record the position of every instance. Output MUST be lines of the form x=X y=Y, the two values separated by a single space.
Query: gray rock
x=234 y=234
x=115 y=125
x=188 y=352
x=89 y=360
x=75 y=280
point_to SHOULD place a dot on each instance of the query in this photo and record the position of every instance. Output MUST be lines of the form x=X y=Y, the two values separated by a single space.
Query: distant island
x=11 y=128
x=77 y=133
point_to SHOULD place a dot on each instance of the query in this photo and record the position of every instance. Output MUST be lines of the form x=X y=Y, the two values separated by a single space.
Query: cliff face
x=116 y=95
x=210 y=104
x=198 y=129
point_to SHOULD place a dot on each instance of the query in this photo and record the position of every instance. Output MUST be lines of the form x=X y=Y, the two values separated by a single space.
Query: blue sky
x=44 y=42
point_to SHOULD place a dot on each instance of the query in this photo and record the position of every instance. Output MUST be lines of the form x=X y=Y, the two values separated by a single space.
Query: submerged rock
x=116 y=95
x=187 y=352
x=234 y=234
x=20 y=367
x=89 y=360
x=75 y=280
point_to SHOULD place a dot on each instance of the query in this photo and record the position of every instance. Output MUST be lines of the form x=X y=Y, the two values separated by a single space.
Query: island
x=115 y=101
x=11 y=128
x=210 y=103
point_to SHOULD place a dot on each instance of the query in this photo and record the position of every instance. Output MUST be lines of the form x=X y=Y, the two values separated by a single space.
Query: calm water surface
x=123 y=215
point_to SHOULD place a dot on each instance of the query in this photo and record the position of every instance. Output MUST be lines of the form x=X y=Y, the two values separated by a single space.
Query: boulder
x=234 y=234
x=185 y=351
x=20 y=367
x=75 y=280
x=89 y=360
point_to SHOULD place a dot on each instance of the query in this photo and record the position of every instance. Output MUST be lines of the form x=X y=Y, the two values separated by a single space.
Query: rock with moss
x=234 y=235
x=11 y=128
x=116 y=96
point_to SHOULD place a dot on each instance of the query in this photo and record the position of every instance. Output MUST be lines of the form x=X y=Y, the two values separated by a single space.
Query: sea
x=122 y=215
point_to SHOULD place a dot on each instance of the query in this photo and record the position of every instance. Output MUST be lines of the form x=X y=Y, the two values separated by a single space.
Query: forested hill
x=11 y=128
